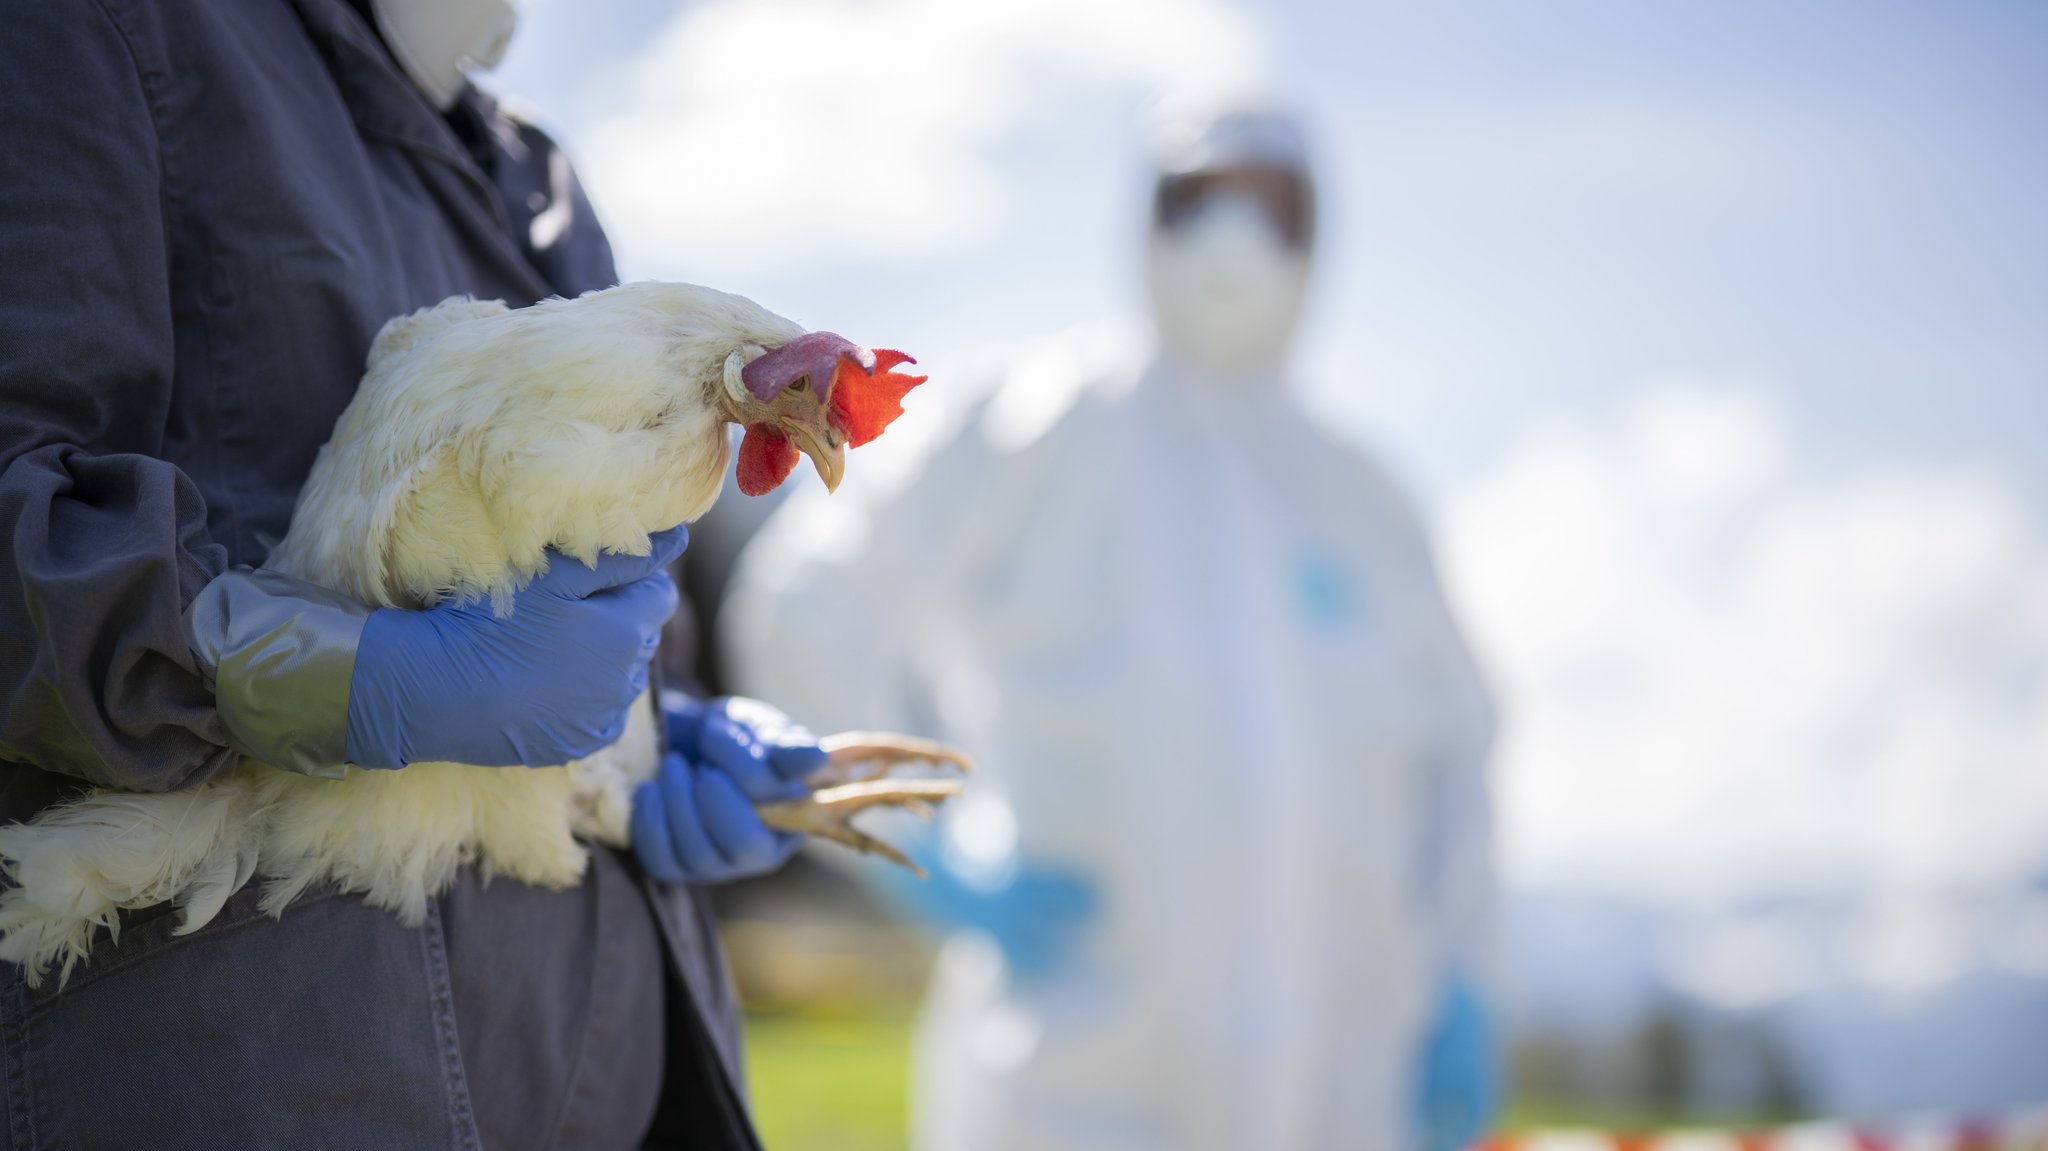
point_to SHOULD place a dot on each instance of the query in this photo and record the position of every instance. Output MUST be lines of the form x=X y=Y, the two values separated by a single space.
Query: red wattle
x=766 y=459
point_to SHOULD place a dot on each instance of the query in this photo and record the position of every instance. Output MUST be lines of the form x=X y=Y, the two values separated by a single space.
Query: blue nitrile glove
x=692 y=824
x=550 y=683
x=695 y=822
x=762 y=750
x=1037 y=913
x=1458 y=1085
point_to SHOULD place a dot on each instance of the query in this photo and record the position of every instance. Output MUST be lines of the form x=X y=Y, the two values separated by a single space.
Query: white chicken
x=482 y=436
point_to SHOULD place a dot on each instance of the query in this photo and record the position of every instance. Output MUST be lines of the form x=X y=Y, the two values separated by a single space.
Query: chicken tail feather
x=78 y=865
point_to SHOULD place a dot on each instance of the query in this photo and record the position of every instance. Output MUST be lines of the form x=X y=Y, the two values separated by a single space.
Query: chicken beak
x=831 y=465
x=827 y=449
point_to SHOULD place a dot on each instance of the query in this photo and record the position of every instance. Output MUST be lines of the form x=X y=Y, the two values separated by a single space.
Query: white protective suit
x=1200 y=650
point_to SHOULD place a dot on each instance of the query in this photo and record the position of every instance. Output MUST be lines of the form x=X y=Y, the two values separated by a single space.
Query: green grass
x=830 y=1083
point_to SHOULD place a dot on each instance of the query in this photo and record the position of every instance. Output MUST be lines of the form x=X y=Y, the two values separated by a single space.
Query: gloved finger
x=573 y=579
x=792 y=751
x=684 y=719
x=693 y=846
x=732 y=750
x=645 y=604
x=768 y=723
x=613 y=730
x=796 y=761
x=736 y=830
x=637 y=678
x=650 y=838
x=666 y=546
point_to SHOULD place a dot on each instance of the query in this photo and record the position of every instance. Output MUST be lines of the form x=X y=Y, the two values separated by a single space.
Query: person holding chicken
x=207 y=213
x=1227 y=882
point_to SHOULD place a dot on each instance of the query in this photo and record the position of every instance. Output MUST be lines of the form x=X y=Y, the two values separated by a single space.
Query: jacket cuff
x=278 y=653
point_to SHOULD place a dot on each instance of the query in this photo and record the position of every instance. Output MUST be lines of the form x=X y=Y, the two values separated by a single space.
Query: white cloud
x=758 y=131
x=1722 y=680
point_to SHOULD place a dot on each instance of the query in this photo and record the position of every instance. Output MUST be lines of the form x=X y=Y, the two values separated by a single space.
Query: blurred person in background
x=1226 y=880
x=208 y=212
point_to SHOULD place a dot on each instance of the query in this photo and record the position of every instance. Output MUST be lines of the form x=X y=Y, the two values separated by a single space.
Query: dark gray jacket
x=207 y=209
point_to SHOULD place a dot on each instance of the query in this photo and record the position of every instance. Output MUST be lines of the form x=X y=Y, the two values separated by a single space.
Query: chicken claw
x=854 y=756
x=855 y=778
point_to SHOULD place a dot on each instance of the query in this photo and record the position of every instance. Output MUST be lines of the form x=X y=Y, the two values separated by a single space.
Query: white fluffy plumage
x=480 y=437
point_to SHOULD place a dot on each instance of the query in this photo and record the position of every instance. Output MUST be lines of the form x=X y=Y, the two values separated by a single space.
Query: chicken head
x=817 y=395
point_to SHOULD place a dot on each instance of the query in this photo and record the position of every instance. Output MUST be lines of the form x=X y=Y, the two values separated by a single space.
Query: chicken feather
x=481 y=437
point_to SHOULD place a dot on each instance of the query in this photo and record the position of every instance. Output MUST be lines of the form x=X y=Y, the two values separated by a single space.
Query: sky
x=1712 y=339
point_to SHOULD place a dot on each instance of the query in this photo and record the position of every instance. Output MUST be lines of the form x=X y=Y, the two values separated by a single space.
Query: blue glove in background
x=692 y=824
x=1036 y=913
x=550 y=683
x=1459 y=1077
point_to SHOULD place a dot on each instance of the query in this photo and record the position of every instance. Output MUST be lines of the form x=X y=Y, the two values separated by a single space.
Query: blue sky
x=1713 y=339
x=1532 y=208
x=1838 y=203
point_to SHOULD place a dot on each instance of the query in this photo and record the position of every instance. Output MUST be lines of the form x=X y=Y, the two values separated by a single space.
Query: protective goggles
x=1283 y=195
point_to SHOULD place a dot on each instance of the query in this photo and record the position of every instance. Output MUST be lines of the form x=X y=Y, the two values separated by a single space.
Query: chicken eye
x=801 y=383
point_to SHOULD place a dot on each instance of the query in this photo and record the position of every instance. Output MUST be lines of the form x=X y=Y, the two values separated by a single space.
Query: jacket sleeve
x=1461 y=818
x=1459 y=886
x=105 y=542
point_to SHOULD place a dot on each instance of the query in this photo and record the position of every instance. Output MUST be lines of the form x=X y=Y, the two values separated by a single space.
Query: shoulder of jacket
x=1370 y=481
x=1052 y=379
x=519 y=126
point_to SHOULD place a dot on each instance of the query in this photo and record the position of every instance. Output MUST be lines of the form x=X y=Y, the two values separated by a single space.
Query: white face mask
x=439 y=42
x=1226 y=289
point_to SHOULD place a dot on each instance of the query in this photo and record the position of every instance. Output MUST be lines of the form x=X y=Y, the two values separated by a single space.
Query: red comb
x=766 y=459
x=864 y=401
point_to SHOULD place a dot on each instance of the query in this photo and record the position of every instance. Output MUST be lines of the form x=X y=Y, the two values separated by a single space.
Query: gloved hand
x=762 y=750
x=1458 y=1087
x=693 y=824
x=1037 y=913
x=695 y=821
x=550 y=683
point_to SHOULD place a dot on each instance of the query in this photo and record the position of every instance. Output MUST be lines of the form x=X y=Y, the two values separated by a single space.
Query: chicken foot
x=856 y=777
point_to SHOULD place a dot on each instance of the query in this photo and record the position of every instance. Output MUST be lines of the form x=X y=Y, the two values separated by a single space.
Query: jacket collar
x=387 y=108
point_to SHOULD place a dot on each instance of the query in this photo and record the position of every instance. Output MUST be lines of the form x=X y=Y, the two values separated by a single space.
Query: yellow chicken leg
x=856 y=777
